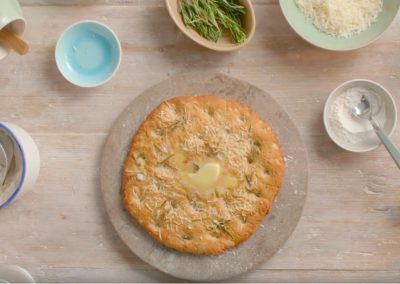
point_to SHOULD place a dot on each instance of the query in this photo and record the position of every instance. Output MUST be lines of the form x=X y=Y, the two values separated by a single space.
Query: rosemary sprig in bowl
x=212 y=18
x=221 y=25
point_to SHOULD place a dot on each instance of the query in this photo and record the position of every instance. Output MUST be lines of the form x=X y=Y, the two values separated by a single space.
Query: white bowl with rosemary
x=221 y=25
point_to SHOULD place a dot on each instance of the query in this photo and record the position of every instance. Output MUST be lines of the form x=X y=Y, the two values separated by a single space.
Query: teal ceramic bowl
x=88 y=54
x=304 y=27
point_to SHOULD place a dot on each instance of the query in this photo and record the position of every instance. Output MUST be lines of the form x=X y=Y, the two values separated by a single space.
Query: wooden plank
x=67 y=197
x=265 y=276
x=113 y=2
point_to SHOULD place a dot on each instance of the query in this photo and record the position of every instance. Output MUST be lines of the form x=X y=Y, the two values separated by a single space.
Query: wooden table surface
x=350 y=229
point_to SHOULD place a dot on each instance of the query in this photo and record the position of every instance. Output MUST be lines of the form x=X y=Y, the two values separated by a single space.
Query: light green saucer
x=310 y=33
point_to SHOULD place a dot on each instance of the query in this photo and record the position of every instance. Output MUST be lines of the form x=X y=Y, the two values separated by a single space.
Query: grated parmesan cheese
x=341 y=18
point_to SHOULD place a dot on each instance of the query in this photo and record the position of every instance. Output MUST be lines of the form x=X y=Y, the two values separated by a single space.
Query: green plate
x=304 y=27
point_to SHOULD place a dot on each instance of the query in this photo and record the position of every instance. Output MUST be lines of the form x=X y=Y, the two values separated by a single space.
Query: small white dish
x=373 y=141
x=25 y=165
x=15 y=274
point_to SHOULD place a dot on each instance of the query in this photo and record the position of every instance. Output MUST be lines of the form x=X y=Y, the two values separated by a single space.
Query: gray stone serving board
x=273 y=231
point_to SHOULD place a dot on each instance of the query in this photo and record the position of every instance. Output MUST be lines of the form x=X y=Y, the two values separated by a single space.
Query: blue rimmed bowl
x=88 y=54
x=25 y=165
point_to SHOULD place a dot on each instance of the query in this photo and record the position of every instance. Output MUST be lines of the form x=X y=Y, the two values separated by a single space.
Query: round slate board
x=276 y=227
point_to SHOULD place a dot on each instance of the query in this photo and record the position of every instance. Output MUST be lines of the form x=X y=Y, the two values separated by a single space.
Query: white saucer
x=371 y=142
x=14 y=274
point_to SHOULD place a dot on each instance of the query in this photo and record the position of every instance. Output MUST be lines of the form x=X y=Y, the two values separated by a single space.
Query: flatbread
x=183 y=136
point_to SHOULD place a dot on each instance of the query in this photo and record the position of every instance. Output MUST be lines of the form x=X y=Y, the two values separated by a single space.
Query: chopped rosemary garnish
x=211 y=18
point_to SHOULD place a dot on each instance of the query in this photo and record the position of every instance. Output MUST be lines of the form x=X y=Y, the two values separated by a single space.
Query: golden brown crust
x=175 y=138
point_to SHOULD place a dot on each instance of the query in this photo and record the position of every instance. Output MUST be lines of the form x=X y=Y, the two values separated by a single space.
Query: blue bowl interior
x=88 y=54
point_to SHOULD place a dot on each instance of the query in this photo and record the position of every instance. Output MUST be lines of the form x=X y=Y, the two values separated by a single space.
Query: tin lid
x=14 y=171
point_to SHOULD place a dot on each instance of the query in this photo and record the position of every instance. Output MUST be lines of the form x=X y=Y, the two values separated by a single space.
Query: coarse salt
x=345 y=125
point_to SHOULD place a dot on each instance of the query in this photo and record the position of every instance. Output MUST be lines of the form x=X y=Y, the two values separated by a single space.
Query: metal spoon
x=363 y=110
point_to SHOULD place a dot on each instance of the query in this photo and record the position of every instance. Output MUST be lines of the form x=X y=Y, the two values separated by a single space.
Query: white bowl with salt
x=352 y=133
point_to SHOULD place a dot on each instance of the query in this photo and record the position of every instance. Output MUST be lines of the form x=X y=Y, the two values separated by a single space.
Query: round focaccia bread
x=201 y=173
